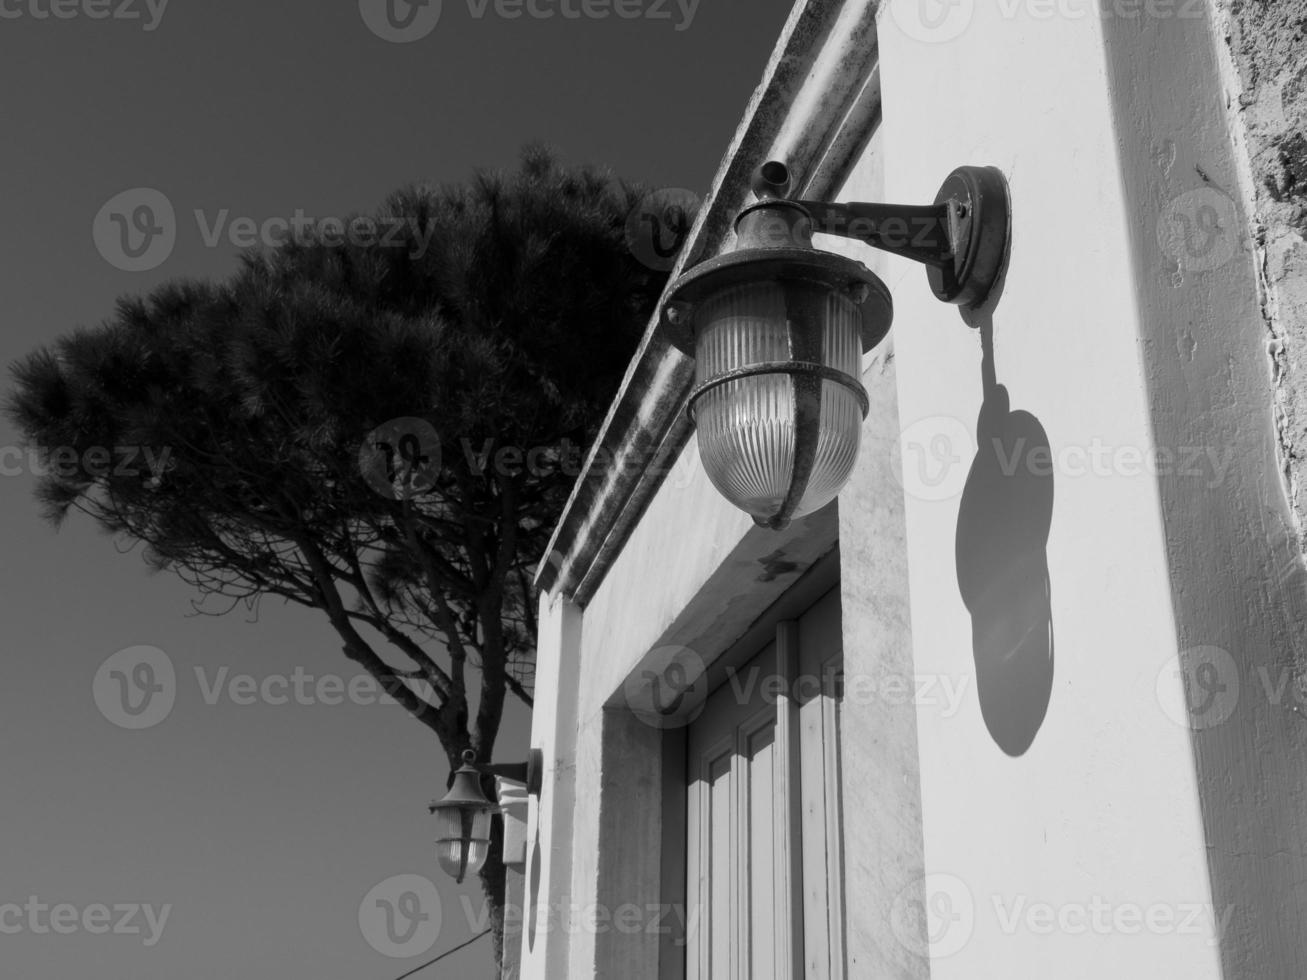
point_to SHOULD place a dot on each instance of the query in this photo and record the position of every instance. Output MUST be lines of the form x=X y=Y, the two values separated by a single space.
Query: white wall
x=1051 y=861
x=549 y=838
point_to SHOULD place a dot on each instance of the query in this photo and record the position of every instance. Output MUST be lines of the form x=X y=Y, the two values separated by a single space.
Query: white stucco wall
x=1053 y=862
x=544 y=951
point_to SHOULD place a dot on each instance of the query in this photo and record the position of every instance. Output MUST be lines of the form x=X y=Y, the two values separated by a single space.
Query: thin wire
x=443 y=955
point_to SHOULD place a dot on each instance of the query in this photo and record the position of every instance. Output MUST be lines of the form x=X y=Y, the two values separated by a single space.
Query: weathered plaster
x=1236 y=579
x=1265 y=80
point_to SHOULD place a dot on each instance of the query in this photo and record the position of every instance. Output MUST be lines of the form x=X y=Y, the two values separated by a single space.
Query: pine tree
x=500 y=314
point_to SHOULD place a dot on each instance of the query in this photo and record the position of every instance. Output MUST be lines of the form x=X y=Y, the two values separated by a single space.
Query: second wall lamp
x=463 y=815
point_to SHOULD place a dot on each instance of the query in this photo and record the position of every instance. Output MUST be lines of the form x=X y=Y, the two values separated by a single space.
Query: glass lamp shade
x=777 y=406
x=463 y=823
x=777 y=329
x=462 y=839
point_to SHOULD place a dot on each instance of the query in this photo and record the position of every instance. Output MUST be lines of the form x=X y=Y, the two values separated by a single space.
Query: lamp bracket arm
x=529 y=773
x=516 y=771
x=923 y=233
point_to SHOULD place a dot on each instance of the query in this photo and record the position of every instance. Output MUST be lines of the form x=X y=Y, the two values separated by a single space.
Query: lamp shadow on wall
x=533 y=894
x=1002 y=562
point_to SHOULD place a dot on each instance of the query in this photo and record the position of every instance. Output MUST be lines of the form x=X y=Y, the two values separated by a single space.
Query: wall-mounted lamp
x=463 y=815
x=778 y=328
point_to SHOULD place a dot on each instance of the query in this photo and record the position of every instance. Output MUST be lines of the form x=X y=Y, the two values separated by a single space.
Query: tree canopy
x=378 y=427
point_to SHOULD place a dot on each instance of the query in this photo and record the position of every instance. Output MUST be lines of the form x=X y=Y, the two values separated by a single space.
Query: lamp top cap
x=772 y=181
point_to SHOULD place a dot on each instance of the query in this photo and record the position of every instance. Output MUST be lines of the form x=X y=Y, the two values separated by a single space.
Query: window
x=764 y=868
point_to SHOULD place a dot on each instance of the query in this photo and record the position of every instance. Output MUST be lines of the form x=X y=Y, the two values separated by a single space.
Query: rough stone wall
x=1267 y=41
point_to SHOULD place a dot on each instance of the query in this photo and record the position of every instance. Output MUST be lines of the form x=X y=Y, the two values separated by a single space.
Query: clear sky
x=260 y=828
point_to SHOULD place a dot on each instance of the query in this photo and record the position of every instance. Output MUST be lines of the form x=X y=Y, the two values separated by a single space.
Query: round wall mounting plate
x=980 y=217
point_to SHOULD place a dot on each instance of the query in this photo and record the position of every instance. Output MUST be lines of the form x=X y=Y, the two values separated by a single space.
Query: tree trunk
x=492 y=888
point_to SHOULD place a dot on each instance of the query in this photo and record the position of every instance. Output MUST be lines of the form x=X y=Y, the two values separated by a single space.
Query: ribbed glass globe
x=748 y=427
x=462 y=840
